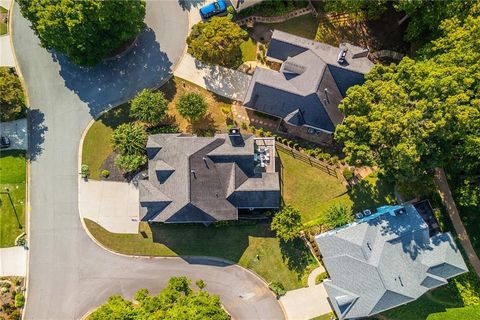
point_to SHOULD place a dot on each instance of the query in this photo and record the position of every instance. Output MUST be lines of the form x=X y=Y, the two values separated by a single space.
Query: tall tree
x=129 y=139
x=217 y=41
x=149 y=106
x=86 y=31
x=370 y=9
x=417 y=115
x=287 y=224
x=12 y=101
x=192 y=106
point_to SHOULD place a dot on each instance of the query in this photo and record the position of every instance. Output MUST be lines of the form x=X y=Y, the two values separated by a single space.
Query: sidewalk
x=16 y=131
x=6 y=53
x=13 y=261
x=113 y=205
x=447 y=198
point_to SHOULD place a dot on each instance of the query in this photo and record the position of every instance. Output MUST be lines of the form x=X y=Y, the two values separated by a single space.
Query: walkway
x=68 y=273
x=6 y=52
x=16 y=131
x=307 y=303
x=226 y=82
x=13 y=261
x=447 y=198
x=113 y=205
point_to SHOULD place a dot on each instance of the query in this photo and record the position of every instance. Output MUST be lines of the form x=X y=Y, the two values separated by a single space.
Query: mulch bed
x=115 y=173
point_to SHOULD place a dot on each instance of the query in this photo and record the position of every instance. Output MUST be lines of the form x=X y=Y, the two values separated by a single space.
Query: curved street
x=68 y=273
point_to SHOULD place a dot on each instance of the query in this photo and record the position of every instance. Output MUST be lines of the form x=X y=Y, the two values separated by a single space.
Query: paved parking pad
x=306 y=303
x=113 y=205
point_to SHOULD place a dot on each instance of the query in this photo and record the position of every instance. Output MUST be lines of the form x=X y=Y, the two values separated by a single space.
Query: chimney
x=361 y=54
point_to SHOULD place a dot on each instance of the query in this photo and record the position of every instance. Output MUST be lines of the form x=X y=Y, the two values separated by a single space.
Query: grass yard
x=97 y=147
x=3 y=25
x=304 y=26
x=249 y=50
x=312 y=191
x=240 y=243
x=12 y=215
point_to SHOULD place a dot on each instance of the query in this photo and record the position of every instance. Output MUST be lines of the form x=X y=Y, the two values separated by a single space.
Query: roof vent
x=399 y=212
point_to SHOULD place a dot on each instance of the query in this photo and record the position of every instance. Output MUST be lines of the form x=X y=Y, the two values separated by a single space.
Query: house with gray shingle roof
x=308 y=87
x=208 y=179
x=385 y=260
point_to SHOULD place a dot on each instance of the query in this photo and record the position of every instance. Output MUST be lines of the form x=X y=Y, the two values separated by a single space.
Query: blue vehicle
x=213 y=9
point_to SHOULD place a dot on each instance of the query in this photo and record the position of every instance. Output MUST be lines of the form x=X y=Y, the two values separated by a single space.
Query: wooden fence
x=322 y=166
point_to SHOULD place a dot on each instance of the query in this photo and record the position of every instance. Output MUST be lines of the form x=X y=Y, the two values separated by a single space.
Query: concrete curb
x=27 y=164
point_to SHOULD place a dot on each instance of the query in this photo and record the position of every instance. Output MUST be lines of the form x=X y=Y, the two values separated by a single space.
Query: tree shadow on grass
x=205 y=127
x=296 y=255
x=228 y=241
x=368 y=195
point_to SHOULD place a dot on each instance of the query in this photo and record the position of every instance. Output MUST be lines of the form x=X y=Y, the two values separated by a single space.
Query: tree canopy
x=176 y=301
x=12 y=101
x=417 y=115
x=129 y=139
x=217 y=41
x=287 y=224
x=192 y=106
x=86 y=31
x=337 y=215
x=371 y=8
x=149 y=106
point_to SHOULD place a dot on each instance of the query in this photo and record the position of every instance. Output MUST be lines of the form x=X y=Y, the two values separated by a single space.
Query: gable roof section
x=386 y=260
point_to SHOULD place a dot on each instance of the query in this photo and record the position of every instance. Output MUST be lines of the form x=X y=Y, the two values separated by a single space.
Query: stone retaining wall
x=249 y=21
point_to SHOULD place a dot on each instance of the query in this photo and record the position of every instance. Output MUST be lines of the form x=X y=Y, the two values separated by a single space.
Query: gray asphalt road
x=68 y=273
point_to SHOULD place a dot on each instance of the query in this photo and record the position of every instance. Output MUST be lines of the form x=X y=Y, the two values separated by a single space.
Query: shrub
x=347 y=174
x=149 y=107
x=12 y=101
x=105 y=173
x=287 y=224
x=337 y=215
x=19 y=300
x=130 y=162
x=253 y=129
x=244 y=126
x=129 y=139
x=192 y=106
x=85 y=171
x=277 y=288
x=319 y=278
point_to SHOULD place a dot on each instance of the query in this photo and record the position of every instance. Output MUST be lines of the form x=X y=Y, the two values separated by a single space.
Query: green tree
x=370 y=9
x=217 y=41
x=287 y=224
x=425 y=16
x=149 y=107
x=192 y=106
x=412 y=117
x=129 y=139
x=12 y=102
x=337 y=215
x=176 y=301
x=86 y=31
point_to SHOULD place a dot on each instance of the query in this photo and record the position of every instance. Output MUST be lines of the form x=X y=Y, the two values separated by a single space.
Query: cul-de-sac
x=240 y=159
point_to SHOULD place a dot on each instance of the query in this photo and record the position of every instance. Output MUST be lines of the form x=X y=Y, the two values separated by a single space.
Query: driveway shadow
x=37 y=133
x=115 y=81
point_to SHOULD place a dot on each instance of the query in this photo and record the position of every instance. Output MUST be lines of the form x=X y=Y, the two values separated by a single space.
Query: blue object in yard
x=213 y=9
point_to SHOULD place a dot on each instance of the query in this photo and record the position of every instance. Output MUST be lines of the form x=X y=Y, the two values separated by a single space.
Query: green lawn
x=249 y=50
x=304 y=26
x=12 y=177
x=240 y=243
x=3 y=26
x=312 y=191
x=96 y=146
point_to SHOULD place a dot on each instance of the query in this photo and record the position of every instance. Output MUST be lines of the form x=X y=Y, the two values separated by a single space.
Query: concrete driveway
x=6 y=53
x=13 y=261
x=113 y=205
x=16 y=131
x=68 y=273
